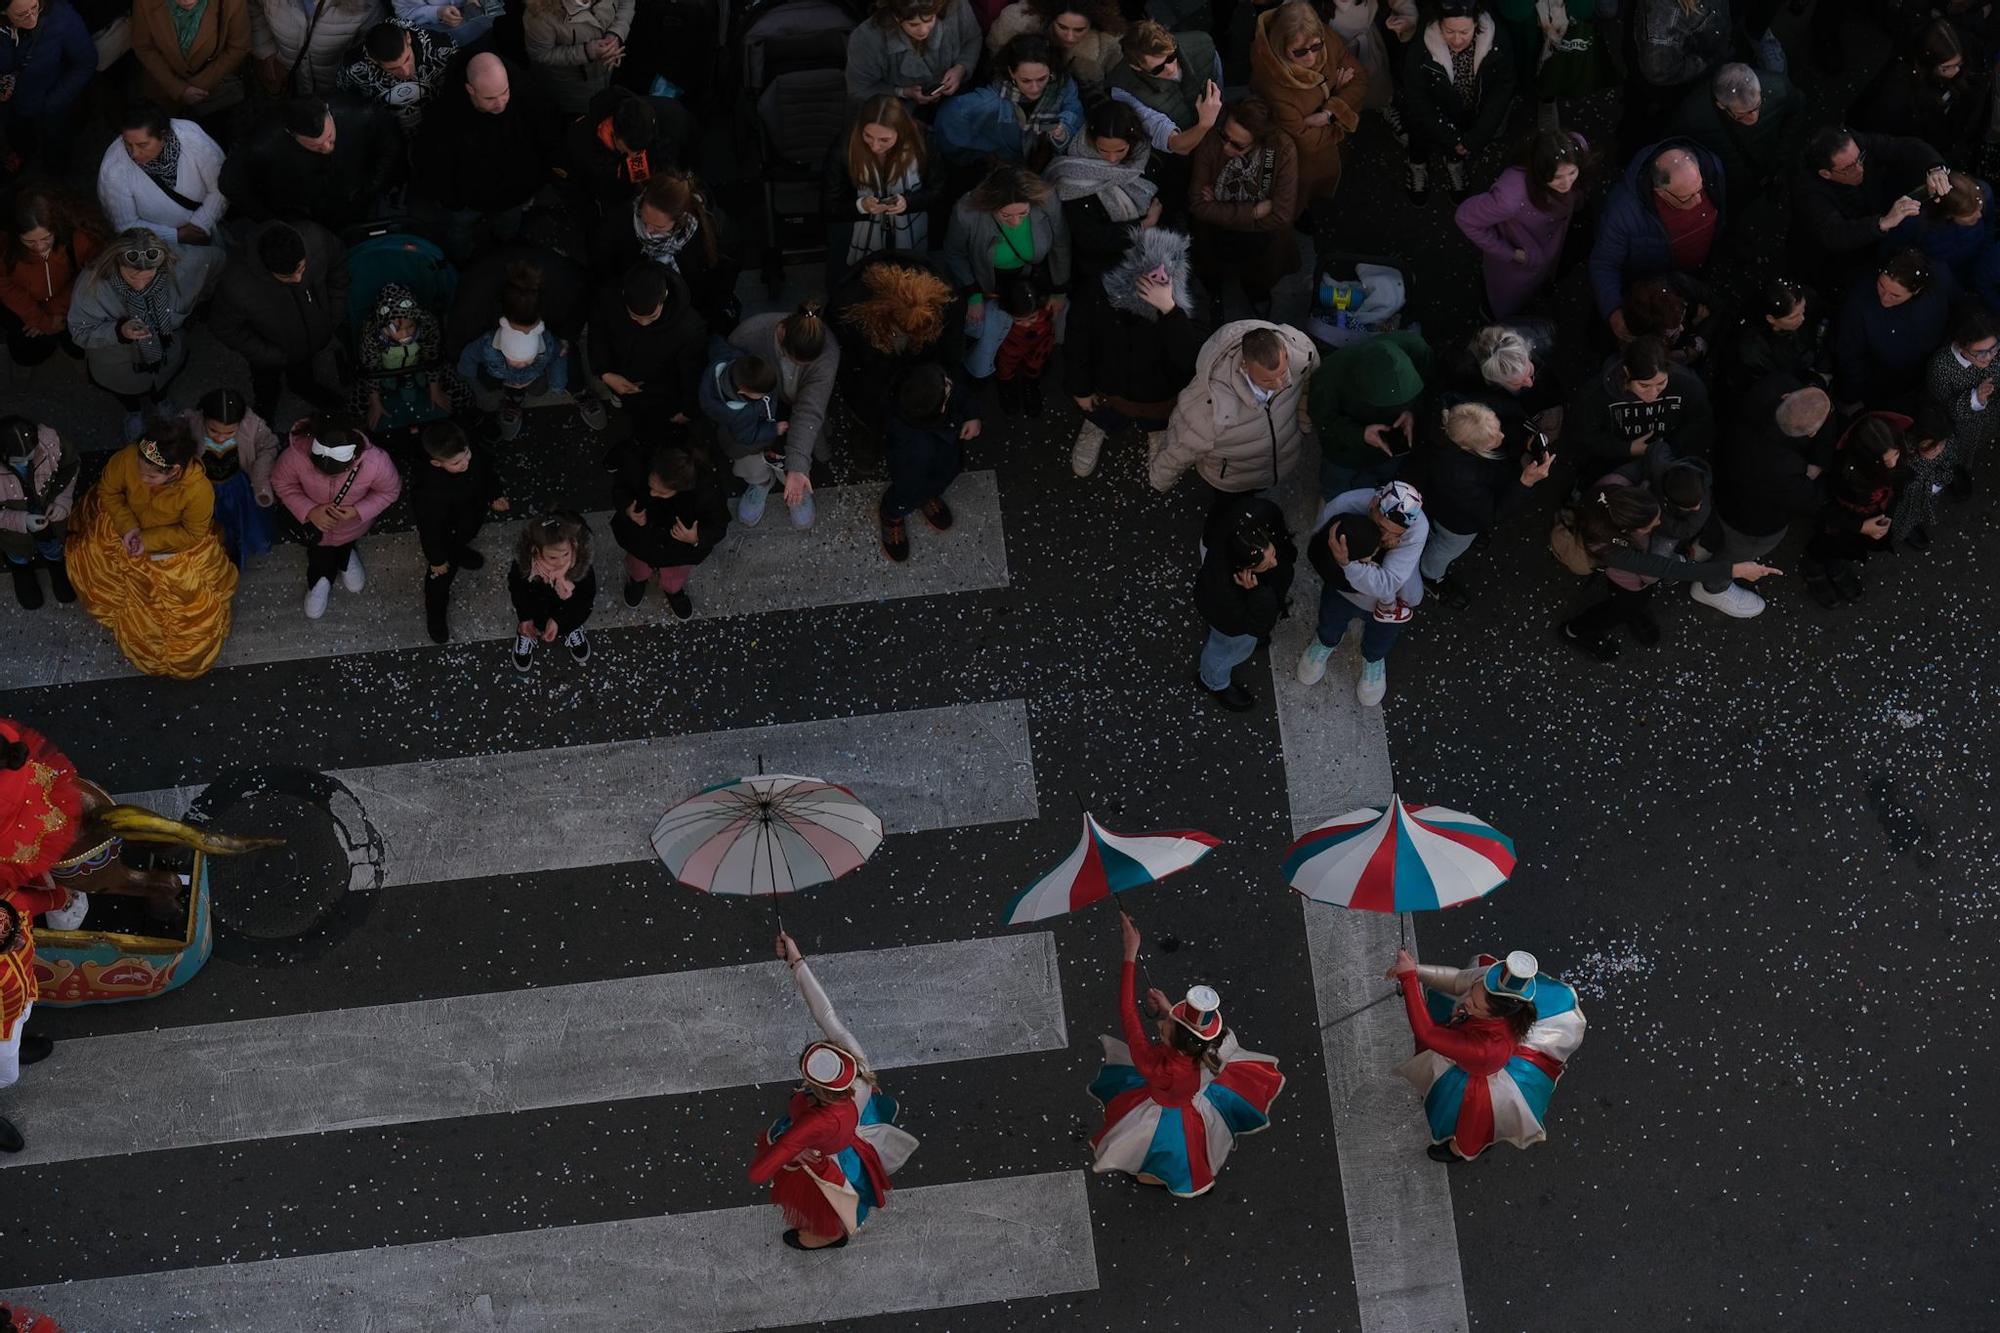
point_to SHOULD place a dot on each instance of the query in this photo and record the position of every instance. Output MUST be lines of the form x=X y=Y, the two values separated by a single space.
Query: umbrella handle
x=1380 y=999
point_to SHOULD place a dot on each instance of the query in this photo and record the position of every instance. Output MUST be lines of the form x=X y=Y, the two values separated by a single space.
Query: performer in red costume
x=39 y=805
x=828 y=1158
x=1172 y=1111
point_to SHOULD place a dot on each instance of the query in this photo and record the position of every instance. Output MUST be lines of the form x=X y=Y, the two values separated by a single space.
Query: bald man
x=1664 y=217
x=484 y=151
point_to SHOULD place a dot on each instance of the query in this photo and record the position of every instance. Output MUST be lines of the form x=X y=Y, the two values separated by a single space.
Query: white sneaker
x=1089 y=445
x=1735 y=600
x=1374 y=683
x=1312 y=662
x=354 y=578
x=316 y=599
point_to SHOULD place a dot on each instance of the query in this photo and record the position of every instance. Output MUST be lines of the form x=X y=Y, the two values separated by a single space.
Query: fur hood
x=1482 y=44
x=1150 y=248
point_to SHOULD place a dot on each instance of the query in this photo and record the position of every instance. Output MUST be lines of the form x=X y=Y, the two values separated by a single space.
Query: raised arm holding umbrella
x=1173 y=1109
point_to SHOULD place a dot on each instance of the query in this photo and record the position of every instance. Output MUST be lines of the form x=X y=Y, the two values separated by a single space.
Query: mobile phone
x=1538 y=446
x=937 y=91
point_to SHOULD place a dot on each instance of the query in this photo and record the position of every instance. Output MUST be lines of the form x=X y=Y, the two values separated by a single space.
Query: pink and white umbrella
x=1105 y=863
x=771 y=834
x=1407 y=858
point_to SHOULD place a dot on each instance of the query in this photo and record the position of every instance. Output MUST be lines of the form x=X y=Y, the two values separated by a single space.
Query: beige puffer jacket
x=1220 y=429
x=278 y=28
x=557 y=37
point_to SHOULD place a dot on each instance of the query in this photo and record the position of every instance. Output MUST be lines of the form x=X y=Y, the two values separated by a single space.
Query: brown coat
x=1295 y=92
x=221 y=45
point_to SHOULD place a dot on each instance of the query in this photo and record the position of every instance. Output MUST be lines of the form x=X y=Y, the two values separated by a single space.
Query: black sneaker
x=1960 y=487
x=436 y=624
x=895 y=540
x=1009 y=394
x=1645 y=629
x=680 y=604
x=27 y=588
x=635 y=591
x=59 y=583
x=578 y=644
x=1441 y=1152
x=10 y=1137
x=937 y=514
x=1235 y=698
x=1604 y=650
x=1818 y=585
x=1919 y=538
x=1449 y=591
x=524 y=652
x=35 y=1049
x=1031 y=398
x=467 y=558
x=1845 y=576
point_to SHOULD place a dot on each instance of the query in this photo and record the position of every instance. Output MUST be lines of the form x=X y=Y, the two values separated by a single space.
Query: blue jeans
x=1222 y=654
x=1441 y=548
x=1335 y=612
x=982 y=342
x=1338 y=478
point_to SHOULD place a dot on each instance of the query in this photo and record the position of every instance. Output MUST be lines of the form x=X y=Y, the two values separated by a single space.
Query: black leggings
x=326 y=562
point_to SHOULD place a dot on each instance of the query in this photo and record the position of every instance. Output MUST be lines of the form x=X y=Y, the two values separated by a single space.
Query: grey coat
x=969 y=242
x=556 y=48
x=881 y=60
x=96 y=311
x=807 y=397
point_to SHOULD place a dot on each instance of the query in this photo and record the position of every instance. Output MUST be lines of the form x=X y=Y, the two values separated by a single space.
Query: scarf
x=187 y=22
x=151 y=308
x=1246 y=178
x=1041 y=119
x=908 y=230
x=1121 y=187
x=1462 y=82
x=665 y=249
x=166 y=168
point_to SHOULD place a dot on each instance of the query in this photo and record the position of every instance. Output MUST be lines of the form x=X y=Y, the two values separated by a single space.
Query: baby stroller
x=390 y=277
x=794 y=76
x=1356 y=297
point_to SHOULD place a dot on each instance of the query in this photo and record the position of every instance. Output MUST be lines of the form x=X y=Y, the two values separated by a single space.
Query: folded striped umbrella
x=771 y=834
x=1105 y=863
x=1407 y=858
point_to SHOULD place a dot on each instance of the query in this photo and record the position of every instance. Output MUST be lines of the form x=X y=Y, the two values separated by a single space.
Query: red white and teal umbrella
x=1105 y=863
x=1407 y=858
x=771 y=834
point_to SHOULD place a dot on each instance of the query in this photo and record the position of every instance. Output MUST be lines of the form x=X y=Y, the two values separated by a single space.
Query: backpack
x=1566 y=544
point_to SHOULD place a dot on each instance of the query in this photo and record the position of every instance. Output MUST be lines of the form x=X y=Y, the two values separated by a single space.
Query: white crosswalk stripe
x=649 y=1036
x=939 y=1246
x=771 y=567
x=925 y=769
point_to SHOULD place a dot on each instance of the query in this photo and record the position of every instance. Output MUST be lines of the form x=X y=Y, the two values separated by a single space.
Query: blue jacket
x=982 y=121
x=1631 y=239
x=50 y=62
x=748 y=425
x=482 y=355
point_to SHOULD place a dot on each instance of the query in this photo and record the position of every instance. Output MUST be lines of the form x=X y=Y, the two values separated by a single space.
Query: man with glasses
x=1174 y=82
x=1852 y=191
x=1754 y=122
x=1662 y=218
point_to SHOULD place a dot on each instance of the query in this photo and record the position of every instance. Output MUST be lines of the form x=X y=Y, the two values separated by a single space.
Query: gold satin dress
x=168 y=608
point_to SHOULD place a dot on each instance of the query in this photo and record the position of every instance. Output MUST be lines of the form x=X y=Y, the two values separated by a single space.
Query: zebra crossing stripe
x=934 y=1246
x=771 y=567
x=490 y=815
x=598 y=1041
x=1400 y=1224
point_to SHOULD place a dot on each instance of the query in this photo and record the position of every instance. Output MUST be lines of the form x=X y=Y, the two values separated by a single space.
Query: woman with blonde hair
x=922 y=51
x=127 y=312
x=1476 y=480
x=876 y=196
x=145 y=559
x=1314 y=87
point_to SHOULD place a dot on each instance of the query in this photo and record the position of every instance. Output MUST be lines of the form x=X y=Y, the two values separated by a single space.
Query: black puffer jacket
x=1224 y=603
x=1120 y=347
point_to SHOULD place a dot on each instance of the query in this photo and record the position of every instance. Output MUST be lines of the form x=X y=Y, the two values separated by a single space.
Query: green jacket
x=1364 y=385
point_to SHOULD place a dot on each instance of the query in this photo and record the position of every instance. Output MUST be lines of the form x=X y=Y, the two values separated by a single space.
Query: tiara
x=150 y=451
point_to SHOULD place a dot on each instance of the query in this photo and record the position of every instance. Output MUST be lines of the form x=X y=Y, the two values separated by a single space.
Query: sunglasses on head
x=1166 y=62
x=149 y=257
